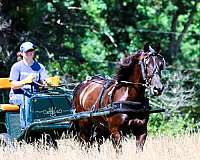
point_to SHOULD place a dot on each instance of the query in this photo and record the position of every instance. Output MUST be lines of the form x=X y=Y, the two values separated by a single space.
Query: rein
x=131 y=83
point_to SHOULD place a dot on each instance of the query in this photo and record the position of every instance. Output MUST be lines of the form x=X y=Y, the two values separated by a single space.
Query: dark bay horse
x=135 y=73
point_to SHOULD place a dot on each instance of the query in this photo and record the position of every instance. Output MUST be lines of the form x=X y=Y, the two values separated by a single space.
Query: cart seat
x=5 y=83
x=9 y=108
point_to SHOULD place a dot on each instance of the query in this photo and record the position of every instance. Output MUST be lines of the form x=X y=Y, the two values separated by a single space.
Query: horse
x=134 y=74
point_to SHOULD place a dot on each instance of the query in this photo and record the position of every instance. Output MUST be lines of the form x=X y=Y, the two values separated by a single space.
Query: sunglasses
x=30 y=50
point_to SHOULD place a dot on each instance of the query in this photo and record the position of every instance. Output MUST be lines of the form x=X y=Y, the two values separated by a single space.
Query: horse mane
x=124 y=68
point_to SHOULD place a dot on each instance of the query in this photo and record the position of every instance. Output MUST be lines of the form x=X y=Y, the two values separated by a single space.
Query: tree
x=188 y=8
x=102 y=30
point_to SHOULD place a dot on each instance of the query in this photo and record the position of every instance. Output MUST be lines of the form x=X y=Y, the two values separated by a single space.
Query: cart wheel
x=5 y=139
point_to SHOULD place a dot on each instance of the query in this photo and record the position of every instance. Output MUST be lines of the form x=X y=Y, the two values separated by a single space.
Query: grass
x=182 y=147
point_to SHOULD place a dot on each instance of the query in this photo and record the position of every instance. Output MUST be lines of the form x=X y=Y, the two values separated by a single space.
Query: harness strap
x=142 y=70
x=131 y=83
x=100 y=99
x=110 y=94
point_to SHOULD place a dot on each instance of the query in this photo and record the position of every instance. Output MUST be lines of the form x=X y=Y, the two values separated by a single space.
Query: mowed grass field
x=182 y=147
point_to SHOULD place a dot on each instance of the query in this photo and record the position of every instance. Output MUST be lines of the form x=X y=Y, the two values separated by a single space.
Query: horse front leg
x=116 y=139
x=115 y=127
x=140 y=140
x=85 y=131
x=139 y=129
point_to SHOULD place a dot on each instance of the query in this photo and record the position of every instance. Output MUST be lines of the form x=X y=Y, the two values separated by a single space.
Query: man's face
x=29 y=54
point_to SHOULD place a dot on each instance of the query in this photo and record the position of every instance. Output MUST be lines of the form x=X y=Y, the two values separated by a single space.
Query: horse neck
x=136 y=75
x=137 y=80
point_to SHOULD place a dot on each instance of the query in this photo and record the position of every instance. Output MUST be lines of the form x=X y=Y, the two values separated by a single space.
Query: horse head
x=152 y=63
x=149 y=63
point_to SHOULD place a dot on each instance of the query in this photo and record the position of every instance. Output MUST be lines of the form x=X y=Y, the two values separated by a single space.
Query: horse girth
x=100 y=98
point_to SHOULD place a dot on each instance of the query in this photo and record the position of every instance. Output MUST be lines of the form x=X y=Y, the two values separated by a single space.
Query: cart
x=52 y=114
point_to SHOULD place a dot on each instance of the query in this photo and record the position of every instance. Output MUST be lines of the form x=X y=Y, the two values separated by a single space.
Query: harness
x=107 y=82
x=100 y=98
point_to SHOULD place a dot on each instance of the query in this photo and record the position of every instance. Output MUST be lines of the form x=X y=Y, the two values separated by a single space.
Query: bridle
x=156 y=69
x=143 y=65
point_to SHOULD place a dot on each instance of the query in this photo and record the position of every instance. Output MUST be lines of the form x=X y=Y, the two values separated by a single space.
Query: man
x=23 y=74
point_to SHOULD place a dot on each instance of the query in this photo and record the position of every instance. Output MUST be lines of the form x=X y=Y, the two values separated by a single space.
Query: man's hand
x=28 y=79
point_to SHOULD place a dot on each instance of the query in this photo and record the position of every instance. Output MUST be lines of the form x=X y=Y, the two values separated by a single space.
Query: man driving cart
x=22 y=75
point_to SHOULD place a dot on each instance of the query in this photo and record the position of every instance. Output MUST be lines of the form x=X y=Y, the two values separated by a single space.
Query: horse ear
x=146 y=47
x=139 y=55
x=126 y=61
x=158 y=48
x=126 y=54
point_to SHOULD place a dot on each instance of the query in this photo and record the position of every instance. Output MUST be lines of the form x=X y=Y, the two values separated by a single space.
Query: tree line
x=84 y=31
x=80 y=38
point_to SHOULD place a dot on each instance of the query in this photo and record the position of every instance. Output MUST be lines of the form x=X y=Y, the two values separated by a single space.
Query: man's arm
x=16 y=84
x=19 y=84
